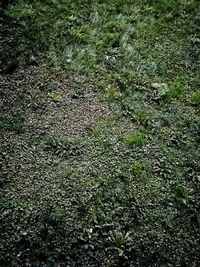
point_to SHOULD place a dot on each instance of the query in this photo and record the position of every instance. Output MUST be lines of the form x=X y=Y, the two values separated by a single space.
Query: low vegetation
x=100 y=133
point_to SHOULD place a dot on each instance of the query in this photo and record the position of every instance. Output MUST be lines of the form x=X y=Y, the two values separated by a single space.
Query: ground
x=100 y=133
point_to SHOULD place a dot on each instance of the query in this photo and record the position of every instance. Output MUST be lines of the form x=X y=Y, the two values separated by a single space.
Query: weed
x=195 y=98
x=51 y=141
x=54 y=96
x=34 y=97
x=162 y=90
x=136 y=139
x=181 y=194
x=143 y=118
x=150 y=68
x=175 y=89
x=100 y=127
x=137 y=169
x=97 y=131
x=62 y=146
x=118 y=238
x=111 y=93
x=165 y=91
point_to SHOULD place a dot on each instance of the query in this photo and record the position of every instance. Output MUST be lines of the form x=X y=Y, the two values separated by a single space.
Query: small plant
x=111 y=93
x=33 y=98
x=136 y=139
x=175 y=89
x=34 y=95
x=97 y=131
x=143 y=118
x=51 y=141
x=161 y=90
x=149 y=67
x=54 y=96
x=61 y=146
x=165 y=91
x=68 y=170
x=195 y=98
x=118 y=238
x=181 y=194
x=137 y=169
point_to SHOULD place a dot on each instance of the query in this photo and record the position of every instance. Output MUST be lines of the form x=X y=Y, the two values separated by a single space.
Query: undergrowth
x=100 y=133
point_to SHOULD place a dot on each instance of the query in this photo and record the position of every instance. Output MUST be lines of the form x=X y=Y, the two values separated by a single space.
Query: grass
x=137 y=139
x=195 y=98
x=99 y=133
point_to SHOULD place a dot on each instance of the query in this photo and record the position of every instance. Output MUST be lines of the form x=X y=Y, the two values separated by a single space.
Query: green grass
x=136 y=139
x=99 y=133
x=195 y=98
x=175 y=89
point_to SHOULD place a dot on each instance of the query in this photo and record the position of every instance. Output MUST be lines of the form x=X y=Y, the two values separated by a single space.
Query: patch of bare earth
x=29 y=171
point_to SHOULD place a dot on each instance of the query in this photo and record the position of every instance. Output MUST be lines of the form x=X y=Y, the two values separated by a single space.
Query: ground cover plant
x=100 y=126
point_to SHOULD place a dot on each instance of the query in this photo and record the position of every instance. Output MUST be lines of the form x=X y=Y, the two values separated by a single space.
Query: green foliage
x=136 y=139
x=54 y=96
x=62 y=146
x=96 y=37
x=164 y=91
x=118 y=239
x=175 y=89
x=51 y=141
x=34 y=99
x=181 y=194
x=111 y=93
x=161 y=90
x=137 y=169
x=195 y=98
